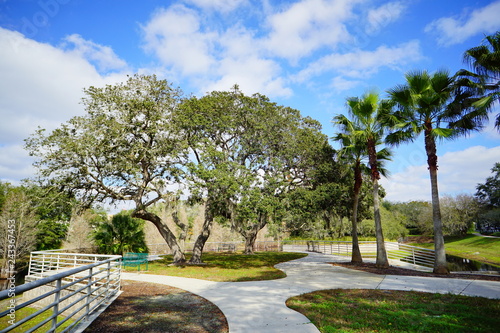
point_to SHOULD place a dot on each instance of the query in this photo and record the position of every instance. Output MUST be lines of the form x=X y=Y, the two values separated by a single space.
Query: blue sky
x=308 y=54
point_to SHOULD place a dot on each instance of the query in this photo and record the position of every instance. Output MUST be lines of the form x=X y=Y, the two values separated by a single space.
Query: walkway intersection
x=259 y=306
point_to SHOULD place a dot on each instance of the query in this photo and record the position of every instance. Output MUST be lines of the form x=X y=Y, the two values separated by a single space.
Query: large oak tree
x=123 y=149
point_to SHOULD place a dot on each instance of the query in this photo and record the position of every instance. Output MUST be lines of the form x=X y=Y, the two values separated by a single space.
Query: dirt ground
x=150 y=307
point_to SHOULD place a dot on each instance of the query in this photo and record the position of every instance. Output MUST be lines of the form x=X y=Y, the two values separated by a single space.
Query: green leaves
x=123 y=148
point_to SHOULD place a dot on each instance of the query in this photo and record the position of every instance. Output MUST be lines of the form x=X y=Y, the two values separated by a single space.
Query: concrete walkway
x=259 y=306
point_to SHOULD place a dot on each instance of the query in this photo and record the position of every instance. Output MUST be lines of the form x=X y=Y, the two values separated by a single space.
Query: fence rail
x=70 y=286
x=230 y=246
x=407 y=253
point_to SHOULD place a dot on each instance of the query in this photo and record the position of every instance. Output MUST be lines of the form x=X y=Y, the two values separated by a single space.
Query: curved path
x=259 y=306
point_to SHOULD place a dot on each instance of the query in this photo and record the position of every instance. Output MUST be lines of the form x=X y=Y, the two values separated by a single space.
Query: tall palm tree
x=427 y=104
x=483 y=83
x=353 y=153
x=367 y=128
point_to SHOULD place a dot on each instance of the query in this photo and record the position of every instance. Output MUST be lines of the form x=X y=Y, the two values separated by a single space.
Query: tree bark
x=184 y=229
x=382 y=261
x=440 y=264
x=165 y=232
x=203 y=236
x=251 y=235
x=358 y=181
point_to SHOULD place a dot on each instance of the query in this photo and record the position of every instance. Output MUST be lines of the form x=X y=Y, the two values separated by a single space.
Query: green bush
x=120 y=235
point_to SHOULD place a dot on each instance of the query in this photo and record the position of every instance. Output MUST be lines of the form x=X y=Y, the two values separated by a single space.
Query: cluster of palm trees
x=440 y=106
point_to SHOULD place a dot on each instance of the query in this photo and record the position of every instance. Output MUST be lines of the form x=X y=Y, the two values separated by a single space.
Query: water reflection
x=458 y=264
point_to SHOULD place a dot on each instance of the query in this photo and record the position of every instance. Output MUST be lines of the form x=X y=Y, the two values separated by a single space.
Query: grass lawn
x=473 y=247
x=226 y=267
x=24 y=312
x=396 y=311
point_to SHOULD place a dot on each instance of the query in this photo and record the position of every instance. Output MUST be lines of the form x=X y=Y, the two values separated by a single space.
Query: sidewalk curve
x=259 y=306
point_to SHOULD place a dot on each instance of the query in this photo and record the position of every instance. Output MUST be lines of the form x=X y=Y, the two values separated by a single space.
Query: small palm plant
x=120 y=235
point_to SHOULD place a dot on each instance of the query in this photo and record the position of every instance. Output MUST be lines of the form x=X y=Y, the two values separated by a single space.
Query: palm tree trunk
x=358 y=181
x=440 y=264
x=382 y=261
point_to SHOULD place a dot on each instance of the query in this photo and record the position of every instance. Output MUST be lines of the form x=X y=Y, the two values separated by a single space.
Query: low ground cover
x=472 y=247
x=343 y=310
x=226 y=267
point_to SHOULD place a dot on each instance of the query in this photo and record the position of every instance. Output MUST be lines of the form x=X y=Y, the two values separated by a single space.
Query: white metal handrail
x=407 y=253
x=77 y=292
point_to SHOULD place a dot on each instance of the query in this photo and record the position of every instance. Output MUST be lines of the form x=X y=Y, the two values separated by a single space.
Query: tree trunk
x=440 y=264
x=165 y=232
x=184 y=229
x=382 y=261
x=203 y=236
x=251 y=235
x=250 y=238
x=358 y=181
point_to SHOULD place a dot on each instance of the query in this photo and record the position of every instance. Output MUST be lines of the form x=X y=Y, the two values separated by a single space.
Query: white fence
x=230 y=246
x=69 y=286
x=407 y=253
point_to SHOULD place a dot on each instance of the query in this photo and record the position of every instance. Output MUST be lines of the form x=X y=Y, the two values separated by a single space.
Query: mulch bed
x=151 y=307
x=392 y=270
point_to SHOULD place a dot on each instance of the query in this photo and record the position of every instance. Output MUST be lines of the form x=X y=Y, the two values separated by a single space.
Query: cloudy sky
x=307 y=54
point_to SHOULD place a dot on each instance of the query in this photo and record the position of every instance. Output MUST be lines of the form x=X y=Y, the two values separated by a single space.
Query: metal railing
x=406 y=253
x=230 y=246
x=68 y=286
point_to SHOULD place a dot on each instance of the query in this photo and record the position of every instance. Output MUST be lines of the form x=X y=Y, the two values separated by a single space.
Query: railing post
x=31 y=260
x=56 y=305
x=43 y=265
x=89 y=293
x=413 y=255
x=107 y=282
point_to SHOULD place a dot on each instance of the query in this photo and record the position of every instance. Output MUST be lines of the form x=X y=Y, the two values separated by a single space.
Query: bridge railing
x=70 y=287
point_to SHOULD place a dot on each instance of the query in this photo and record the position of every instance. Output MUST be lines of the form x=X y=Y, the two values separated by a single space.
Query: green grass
x=226 y=267
x=24 y=312
x=472 y=247
x=396 y=311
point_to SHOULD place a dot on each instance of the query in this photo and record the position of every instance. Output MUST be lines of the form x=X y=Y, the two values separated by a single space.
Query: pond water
x=458 y=264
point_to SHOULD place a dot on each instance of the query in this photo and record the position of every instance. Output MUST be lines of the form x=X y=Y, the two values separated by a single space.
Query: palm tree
x=482 y=85
x=353 y=153
x=367 y=128
x=427 y=103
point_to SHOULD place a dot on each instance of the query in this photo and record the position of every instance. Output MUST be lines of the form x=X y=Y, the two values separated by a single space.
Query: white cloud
x=212 y=60
x=360 y=64
x=455 y=30
x=15 y=164
x=382 y=16
x=308 y=25
x=340 y=84
x=40 y=85
x=175 y=36
x=219 y=5
x=103 y=56
x=459 y=172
